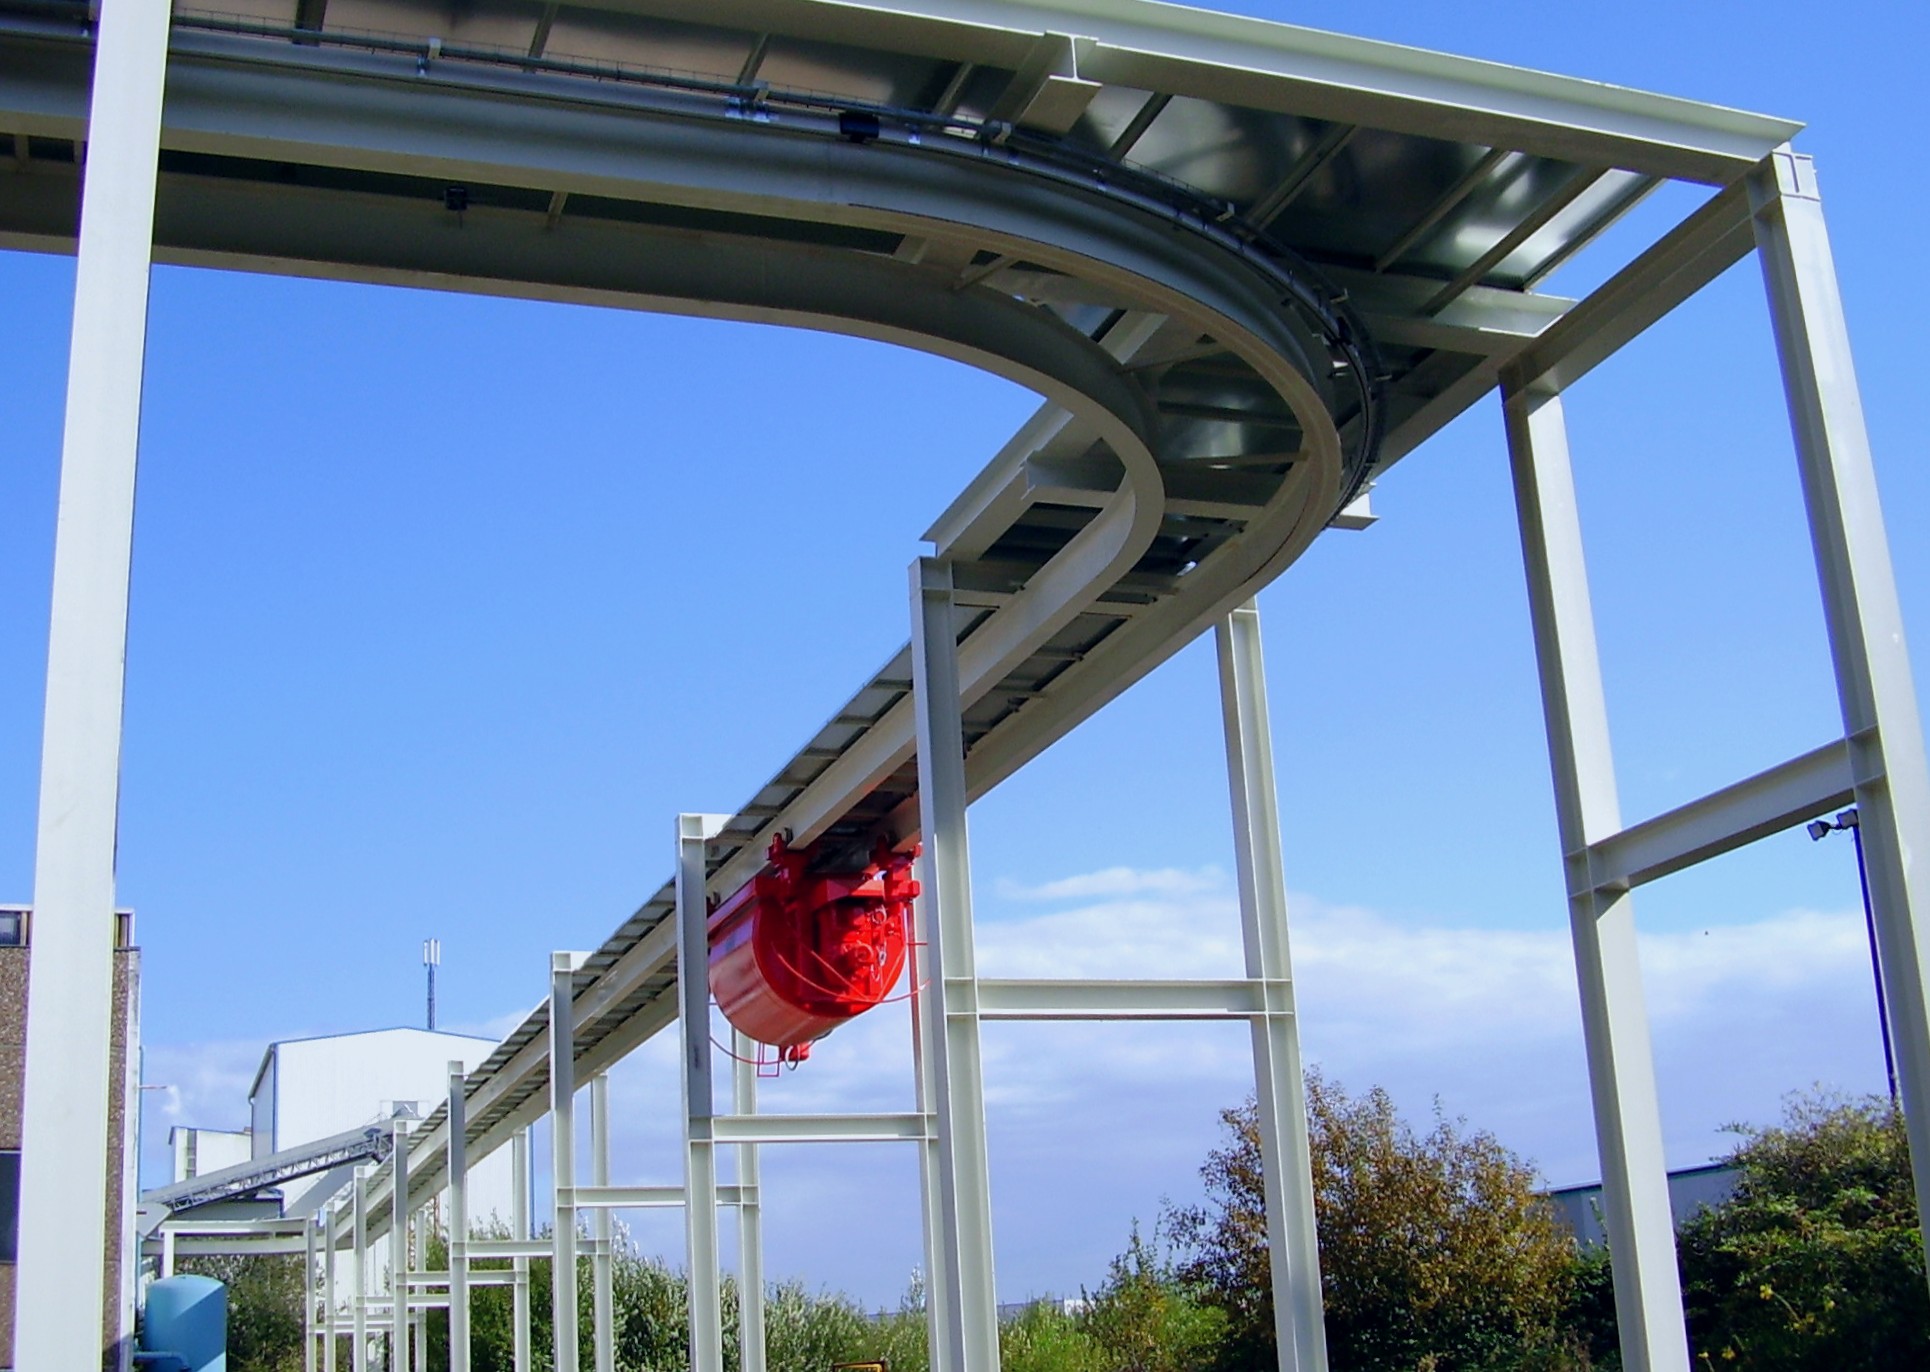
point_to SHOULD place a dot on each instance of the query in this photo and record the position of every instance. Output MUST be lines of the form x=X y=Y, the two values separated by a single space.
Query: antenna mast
x=432 y=959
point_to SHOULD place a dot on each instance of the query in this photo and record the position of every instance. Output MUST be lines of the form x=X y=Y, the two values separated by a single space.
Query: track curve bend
x=1210 y=403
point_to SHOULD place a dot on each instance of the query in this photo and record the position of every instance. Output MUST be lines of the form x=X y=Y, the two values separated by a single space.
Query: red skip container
x=795 y=953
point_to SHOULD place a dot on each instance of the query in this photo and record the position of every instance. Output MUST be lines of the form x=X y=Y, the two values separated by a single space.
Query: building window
x=13 y=928
x=10 y=1206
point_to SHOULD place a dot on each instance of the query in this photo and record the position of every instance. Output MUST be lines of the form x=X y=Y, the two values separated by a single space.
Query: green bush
x=1436 y=1251
x=1816 y=1261
x=1146 y=1319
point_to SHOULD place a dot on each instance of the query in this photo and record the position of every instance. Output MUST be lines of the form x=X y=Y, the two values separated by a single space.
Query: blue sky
x=445 y=606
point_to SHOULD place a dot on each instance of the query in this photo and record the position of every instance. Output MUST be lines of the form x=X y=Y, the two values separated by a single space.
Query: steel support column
x=1281 y=1091
x=519 y=1266
x=458 y=1165
x=924 y=1031
x=308 y=1297
x=419 y=1307
x=359 y=1276
x=603 y=1326
x=563 y=1159
x=328 y=1287
x=969 y=1332
x=700 y=1151
x=1621 y=1063
x=63 y=1242
x=399 y=1216
x=750 y=1214
x=1865 y=624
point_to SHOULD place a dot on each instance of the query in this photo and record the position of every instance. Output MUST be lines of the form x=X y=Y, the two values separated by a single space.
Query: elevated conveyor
x=370 y=1143
x=1247 y=266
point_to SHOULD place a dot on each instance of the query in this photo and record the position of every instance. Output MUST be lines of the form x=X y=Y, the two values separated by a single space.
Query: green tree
x=1816 y=1262
x=1144 y=1318
x=1437 y=1252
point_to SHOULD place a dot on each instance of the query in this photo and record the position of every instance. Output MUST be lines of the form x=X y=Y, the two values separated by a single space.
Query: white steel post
x=399 y=1215
x=63 y=1242
x=458 y=1165
x=1873 y=680
x=359 y=1276
x=602 y=1258
x=419 y=1316
x=1615 y=1030
x=563 y=1158
x=308 y=1297
x=167 y=1252
x=519 y=1229
x=924 y=1032
x=700 y=1153
x=750 y=1216
x=1281 y=1089
x=328 y=1287
x=965 y=1207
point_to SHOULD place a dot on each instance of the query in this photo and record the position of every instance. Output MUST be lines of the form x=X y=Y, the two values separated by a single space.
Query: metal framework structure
x=1248 y=266
x=245 y=1179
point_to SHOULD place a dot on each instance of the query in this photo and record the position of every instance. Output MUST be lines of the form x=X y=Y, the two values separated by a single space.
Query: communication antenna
x=432 y=959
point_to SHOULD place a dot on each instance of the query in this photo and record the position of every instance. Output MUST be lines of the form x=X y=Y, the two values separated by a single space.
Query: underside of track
x=1243 y=290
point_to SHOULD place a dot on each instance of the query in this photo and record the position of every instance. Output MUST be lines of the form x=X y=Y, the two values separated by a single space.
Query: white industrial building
x=308 y=1089
x=197 y=1152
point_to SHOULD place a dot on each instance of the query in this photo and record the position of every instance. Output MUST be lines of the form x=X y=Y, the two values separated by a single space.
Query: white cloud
x=206 y=1083
x=495 y=1027
x=1117 y=881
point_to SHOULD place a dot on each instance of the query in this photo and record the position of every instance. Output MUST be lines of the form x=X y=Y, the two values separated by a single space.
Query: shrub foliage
x=1816 y=1262
x=1436 y=1250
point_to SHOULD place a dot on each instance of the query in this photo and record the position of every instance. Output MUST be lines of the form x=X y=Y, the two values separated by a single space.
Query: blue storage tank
x=184 y=1327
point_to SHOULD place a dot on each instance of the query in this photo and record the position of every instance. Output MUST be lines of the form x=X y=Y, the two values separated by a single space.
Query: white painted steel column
x=965 y=1199
x=924 y=1032
x=458 y=1164
x=399 y=1216
x=328 y=1287
x=519 y=1229
x=419 y=1314
x=1281 y=1088
x=602 y=1297
x=63 y=1242
x=1873 y=680
x=359 y=1277
x=1615 y=1029
x=563 y=1158
x=700 y=1152
x=750 y=1214
x=167 y=1252
x=308 y=1297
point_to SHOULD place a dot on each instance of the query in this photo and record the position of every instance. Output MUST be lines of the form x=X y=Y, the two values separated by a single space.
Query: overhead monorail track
x=1245 y=280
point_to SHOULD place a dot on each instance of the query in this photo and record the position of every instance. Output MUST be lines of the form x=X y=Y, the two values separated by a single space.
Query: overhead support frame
x=562 y=1066
x=458 y=1239
x=1879 y=763
x=965 y=1320
x=1881 y=724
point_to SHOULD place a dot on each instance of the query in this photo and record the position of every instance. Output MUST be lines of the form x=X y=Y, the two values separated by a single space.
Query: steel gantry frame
x=1879 y=762
x=1212 y=405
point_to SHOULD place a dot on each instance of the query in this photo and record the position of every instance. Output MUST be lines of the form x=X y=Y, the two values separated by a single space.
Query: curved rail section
x=1210 y=405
